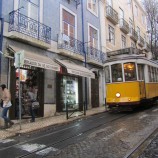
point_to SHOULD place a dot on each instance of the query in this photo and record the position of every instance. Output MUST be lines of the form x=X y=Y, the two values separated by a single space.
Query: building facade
x=126 y=25
x=61 y=53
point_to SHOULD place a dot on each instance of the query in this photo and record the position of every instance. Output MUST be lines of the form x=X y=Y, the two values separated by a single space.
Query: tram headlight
x=118 y=95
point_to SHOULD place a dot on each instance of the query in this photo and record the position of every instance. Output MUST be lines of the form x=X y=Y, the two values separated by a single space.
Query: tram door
x=95 y=92
x=141 y=80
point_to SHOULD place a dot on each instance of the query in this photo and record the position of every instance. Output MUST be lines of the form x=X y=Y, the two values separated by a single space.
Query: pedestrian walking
x=31 y=99
x=6 y=104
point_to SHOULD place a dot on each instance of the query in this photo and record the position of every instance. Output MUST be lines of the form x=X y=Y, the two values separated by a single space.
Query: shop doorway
x=69 y=92
x=95 y=92
x=33 y=77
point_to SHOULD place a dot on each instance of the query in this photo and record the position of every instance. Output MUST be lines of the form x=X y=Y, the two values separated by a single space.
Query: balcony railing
x=133 y=34
x=112 y=14
x=141 y=41
x=124 y=26
x=70 y=43
x=96 y=55
x=147 y=46
x=28 y=26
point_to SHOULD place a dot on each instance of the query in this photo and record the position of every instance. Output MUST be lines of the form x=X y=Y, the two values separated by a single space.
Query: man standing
x=6 y=98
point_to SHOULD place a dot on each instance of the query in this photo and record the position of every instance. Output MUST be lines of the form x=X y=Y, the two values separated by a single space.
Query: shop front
x=31 y=75
x=69 y=89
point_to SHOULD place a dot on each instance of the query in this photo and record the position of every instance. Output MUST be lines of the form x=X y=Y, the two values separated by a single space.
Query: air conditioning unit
x=66 y=39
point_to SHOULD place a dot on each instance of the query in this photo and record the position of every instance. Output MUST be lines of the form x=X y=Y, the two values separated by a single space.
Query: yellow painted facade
x=130 y=12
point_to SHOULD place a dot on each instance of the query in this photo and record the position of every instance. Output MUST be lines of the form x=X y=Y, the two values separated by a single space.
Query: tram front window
x=107 y=74
x=129 y=71
x=116 y=71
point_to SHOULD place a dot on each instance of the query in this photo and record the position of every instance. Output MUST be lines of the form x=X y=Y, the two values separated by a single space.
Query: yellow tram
x=130 y=80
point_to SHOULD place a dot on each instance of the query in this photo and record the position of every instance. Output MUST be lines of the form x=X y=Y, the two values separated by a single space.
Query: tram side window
x=130 y=71
x=141 y=72
x=150 y=74
x=116 y=71
x=156 y=75
x=107 y=74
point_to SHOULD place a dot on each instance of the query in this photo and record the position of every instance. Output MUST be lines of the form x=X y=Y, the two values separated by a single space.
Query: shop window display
x=27 y=78
x=69 y=92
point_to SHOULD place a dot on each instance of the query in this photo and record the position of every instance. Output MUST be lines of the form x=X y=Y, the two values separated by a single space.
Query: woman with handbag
x=6 y=100
x=31 y=99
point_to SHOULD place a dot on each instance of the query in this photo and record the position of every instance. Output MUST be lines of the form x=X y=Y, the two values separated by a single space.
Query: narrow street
x=111 y=135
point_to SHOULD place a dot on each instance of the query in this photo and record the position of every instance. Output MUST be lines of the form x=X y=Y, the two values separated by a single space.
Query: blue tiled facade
x=49 y=16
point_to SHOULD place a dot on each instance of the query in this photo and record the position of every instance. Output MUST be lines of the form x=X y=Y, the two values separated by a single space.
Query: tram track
x=142 y=145
x=75 y=136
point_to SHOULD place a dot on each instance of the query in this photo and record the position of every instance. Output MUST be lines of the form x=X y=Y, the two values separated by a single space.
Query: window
x=133 y=45
x=111 y=35
x=140 y=72
x=144 y=19
x=129 y=71
x=121 y=15
x=130 y=24
x=31 y=8
x=145 y=38
x=116 y=71
x=92 y=6
x=68 y=23
x=107 y=74
x=109 y=2
x=93 y=37
x=136 y=11
x=123 y=41
x=150 y=73
x=129 y=3
x=138 y=31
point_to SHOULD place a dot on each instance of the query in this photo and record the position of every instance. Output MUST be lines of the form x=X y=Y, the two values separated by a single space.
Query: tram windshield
x=116 y=71
x=130 y=71
x=107 y=74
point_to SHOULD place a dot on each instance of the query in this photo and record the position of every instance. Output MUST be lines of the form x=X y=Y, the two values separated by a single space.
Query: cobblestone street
x=116 y=140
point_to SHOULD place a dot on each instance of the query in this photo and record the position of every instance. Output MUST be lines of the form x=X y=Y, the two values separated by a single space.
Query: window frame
x=61 y=19
x=90 y=9
x=89 y=25
x=111 y=33
x=123 y=41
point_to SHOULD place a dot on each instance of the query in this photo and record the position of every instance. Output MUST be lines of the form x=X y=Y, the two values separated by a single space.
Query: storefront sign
x=80 y=73
x=40 y=64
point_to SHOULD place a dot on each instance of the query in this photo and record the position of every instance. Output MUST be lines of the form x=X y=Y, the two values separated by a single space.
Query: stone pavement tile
x=43 y=122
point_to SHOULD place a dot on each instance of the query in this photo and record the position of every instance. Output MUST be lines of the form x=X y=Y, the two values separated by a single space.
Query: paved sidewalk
x=43 y=122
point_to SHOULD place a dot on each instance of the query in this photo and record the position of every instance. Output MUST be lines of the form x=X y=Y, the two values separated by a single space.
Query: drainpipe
x=85 y=57
x=1 y=43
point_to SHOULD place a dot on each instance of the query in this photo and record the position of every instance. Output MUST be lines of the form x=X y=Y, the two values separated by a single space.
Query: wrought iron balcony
x=112 y=15
x=28 y=26
x=70 y=46
x=141 y=41
x=95 y=56
x=133 y=34
x=76 y=1
x=124 y=26
x=147 y=46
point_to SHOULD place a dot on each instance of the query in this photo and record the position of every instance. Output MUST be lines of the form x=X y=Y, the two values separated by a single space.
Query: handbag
x=35 y=105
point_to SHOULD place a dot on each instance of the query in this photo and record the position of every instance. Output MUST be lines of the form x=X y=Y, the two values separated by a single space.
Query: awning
x=72 y=68
x=36 y=60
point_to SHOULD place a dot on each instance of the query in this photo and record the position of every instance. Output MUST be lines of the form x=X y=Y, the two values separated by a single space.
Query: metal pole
x=19 y=91
x=85 y=57
x=1 y=43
